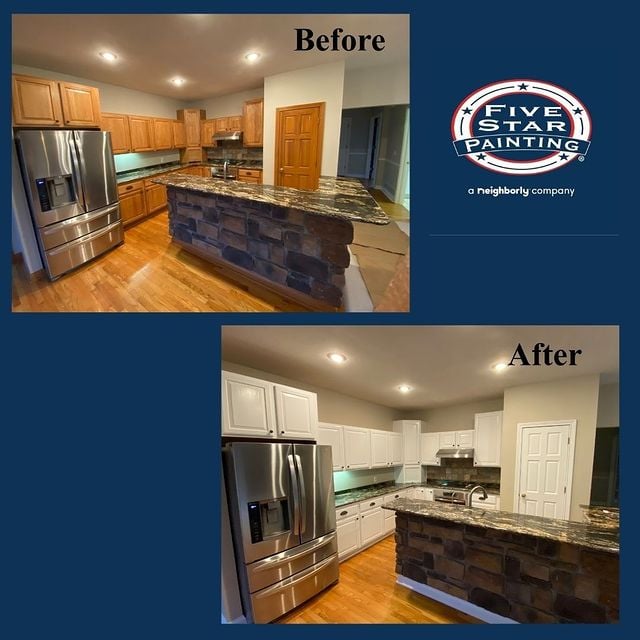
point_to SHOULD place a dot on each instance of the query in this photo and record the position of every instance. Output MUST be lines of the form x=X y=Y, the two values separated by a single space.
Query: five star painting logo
x=521 y=127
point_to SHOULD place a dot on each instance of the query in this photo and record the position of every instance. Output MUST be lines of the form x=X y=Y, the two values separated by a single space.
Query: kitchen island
x=502 y=566
x=289 y=241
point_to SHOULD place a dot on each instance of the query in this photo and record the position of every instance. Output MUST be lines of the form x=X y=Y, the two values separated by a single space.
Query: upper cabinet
x=253 y=122
x=208 y=129
x=488 y=432
x=228 y=123
x=117 y=125
x=331 y=434
x=429 y=445
x=179 y=135
x=253 y=407
x=357 y=448
x=410 y=430
x=40 y=102
x=141 y=131
x=191 y=119
x=80 y=105
x=162 y=134
x=456 y=439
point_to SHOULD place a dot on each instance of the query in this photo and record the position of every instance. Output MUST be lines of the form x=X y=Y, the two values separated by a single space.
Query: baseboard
x=455 y=603
x=238 y=620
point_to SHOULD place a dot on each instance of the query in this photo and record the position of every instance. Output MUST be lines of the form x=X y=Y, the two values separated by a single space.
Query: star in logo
x=563 y=156
x=578 y=111
x=467 y=111
x=523 y=86
x=481 y=156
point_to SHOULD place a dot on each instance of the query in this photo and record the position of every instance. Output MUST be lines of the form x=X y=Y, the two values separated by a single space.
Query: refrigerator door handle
x=296 y=494
x=75 y=175
x=287 y=556
x=303 y=497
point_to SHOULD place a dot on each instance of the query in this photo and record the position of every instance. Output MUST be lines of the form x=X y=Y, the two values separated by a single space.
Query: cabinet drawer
x=365 y=505
x=249 y=173
x=348 y=511
x=130 y=186
x=390 y=497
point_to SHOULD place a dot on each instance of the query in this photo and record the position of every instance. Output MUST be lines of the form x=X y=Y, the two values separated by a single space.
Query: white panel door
x=371 y=525
x=331 y=434
x=395 y=448
x=379 y=448
x=447 y=439
x=464 y=439
x=544 y=466
x=488 y=428
x=247 y=406
x=357 y=448
x=348 y=532
x=296 y=413
x=429 y=445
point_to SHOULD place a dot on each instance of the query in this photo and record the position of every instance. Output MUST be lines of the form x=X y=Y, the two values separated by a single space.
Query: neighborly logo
x=521 y=127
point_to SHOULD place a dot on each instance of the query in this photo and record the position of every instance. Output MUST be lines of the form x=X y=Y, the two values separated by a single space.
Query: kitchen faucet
x=224 y=169
x=478 y=487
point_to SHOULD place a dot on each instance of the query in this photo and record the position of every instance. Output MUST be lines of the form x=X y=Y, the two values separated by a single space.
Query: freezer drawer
x=73 y=254
x=273 y=602
x=56 y=234
x=276 y=568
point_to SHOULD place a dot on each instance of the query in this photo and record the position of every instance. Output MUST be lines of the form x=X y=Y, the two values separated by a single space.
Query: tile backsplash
x=462 y=470
x=233 y=151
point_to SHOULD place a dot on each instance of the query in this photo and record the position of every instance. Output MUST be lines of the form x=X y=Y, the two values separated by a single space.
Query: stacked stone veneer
x=305 y=252
x=517 y=576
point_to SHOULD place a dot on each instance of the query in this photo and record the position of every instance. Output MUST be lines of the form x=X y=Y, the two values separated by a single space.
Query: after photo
x=420 y=474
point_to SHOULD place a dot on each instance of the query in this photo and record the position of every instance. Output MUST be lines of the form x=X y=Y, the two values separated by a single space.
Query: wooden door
x=141 y=131
x=192 y=127
x=208 y=129
x=156 y=197
x=221 y=124
x=80 y=105
x=179 y=135
x=117 y=124
x=252 y=121
x=36 y=102
x=299 y=132
x=234 y=123
x=132 y=206
x=162 y=134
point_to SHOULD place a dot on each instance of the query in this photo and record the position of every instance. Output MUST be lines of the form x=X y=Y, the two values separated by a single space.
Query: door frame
x=320 y=140
x=404 y=169
x=571 y=453
x=374 y=142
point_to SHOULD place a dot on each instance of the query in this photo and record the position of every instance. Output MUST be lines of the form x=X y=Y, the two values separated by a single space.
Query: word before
x=543 y=354
x=335 y=42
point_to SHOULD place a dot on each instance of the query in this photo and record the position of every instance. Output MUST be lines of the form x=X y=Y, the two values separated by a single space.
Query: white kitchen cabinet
x=348 y=533
x=389 y=522
x=296 y=413
x=492 y=503
x=410 y=473
x=371 y=525
x=410 y=430
x=488 y=430
x=395 y=448
x=447 y=439
x=423 y=493
x=248 y=407
x=464 y=439
x=429 y=445
x=331 y=434
x=357 y=448
x=379 y=448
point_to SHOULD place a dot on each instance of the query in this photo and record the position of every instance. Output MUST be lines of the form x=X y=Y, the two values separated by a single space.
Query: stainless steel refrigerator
x=70 y=180
x=283 y=521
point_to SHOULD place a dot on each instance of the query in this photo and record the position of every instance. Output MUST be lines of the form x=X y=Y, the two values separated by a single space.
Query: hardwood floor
x=393 y=210
x=367 y=592
x=146 y=273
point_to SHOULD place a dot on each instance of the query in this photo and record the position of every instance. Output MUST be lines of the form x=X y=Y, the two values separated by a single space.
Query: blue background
x=110 y=468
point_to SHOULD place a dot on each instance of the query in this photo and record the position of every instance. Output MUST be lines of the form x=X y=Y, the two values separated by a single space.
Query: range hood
x=228 y=135
x=454 y=453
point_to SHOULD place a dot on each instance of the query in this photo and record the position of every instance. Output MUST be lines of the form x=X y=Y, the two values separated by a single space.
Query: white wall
x=457 y=417
x=609 y=406
x=390 y=156
x=229 y=105
x=323 y=83
x=376 y=86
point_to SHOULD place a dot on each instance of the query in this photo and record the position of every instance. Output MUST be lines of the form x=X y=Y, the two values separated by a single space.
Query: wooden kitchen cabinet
x=208 y=129
x=192 y=122
x=117 y=124
x=80 y=105
x=331 y=434
x=234 y=123
x=36 y=102
x=162 y=134
x=179 y=135
x=132 y=202
x=221 y=125
x=253 y=176
x=155 y=196
x=141 y=132
x=253 y=118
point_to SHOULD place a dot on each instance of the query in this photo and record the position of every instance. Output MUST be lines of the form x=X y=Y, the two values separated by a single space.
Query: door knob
x=281 y=169
x=523 y=495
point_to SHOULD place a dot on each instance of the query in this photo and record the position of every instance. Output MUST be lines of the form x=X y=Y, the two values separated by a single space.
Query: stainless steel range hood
x=454 y=453
x=228 y=135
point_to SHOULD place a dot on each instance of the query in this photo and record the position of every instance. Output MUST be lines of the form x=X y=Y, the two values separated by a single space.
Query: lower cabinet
x=371 y=526
x=155 y=195
x=422 y=493
x=132 y=203
x=348 y=531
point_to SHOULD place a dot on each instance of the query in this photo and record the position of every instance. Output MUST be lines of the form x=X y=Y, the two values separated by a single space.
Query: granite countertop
x=335 y=197
x=605 y=517
x=350 y=496
x=146 y=172
x=492 y=490
x=578 y=533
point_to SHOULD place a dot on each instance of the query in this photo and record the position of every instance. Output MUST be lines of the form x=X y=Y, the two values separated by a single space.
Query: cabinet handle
x=343 y=513
x=270 y=430
x=348 y=467
x=128 y=188
x=282 y=432
x=372 y=504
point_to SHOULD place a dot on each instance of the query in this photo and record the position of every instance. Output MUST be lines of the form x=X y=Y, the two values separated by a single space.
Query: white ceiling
x=206 y=49
x=444 y=365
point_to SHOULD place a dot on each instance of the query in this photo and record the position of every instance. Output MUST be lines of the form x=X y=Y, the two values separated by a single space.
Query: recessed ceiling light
x=177 y=81
x=338 y=358
x=108 y=56
x=499 y=366
x=404 y=388
x=252 y=56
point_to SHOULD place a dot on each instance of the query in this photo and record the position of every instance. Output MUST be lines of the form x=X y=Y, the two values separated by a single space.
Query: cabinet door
x=429 y=445
x=394 y=448
x=132 y=206
x=234 y=123
x=357 y=448
x=488 y=438
x=117 y=125
x=371 y=526
x=221 y=124
x=192 y=127
x=411 y=431
x=464 y=439
x=208 y=129
x=80 y=105
x=331 y=434
x=389 y=522
x=162 y=134
x=253 y=122
x=36 y=102
x=141 y=131
x=447 y=439
x=179 y=136
x=247 y=406
x=156 y=197
x=296 y=413
x=348 y=532
x=379 y=452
